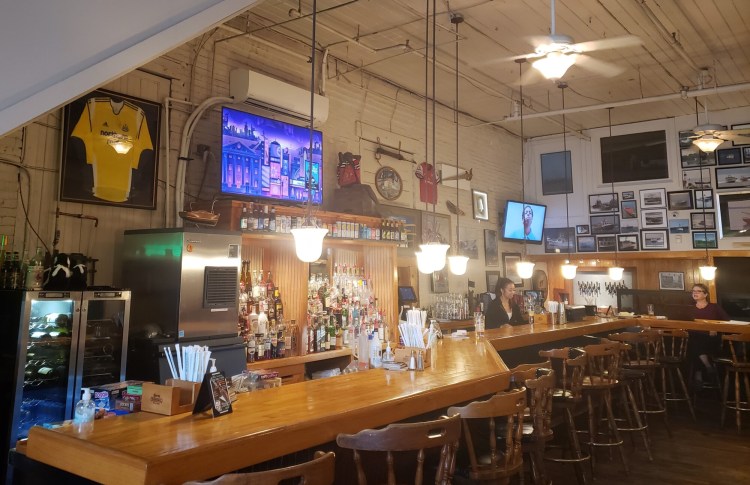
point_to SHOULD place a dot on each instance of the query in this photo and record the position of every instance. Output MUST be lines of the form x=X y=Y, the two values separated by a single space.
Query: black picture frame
x=586 y=244
x=628 y=195
x=605 y=224
x=740 y=126
x=557 y=173
x=629 y=226
x=583 y=229
x=627 y=242
x=654 y=240
x=680 y=200
x=439 y=281
x=629 y=209
x=698 y=222
x=491 y=278
x=122 y=135
x=746 y=153
x=491 y=257
x=653 y=198
x=733 y=177
x=604 y=203
x=606 y=244
x=509 y=268
x=705 y=239
x=559 y=239
x=729 y=156
x=679 y=226
x=653 y=218
x=731 y=219
x=672 y=280
x=704 y=197
x=696 y=178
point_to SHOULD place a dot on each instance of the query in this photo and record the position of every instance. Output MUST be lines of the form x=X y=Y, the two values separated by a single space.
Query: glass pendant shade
x=554 y=65
x=569 y=270
x=424 y=265
x=457 y=264
x=707 y=143
x=615 y=273
x=525 y=269
x=308 y=243
x=708 y=273
x=435 y=253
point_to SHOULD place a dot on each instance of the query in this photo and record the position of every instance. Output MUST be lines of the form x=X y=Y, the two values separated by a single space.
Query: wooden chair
x=673 y=356
x=318 y=471
x=399 y=437
x=495 y=459
x=739 y=366
x=538 y=430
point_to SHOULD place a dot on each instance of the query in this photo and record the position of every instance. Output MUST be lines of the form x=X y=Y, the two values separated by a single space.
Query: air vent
x=220 y=287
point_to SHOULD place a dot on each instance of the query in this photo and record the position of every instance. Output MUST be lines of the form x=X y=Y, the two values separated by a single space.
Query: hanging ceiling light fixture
x=707 y=271
x=568 y=269
x=456 y=262
x=308 y=239
x=524 y=269
x=616 y=271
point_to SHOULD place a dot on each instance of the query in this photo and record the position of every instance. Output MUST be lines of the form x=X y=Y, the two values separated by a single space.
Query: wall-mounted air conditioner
x=255 y=89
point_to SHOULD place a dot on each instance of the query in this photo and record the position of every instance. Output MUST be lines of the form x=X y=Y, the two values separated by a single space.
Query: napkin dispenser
x=575 y=313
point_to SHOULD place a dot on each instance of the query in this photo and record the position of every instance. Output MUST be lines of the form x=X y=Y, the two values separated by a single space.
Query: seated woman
x=701 y=345
x=503 y=310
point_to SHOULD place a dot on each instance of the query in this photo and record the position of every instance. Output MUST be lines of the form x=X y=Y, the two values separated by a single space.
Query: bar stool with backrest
x=444 y=433
x=739 y=366
x=672 y=358
x=494 y=459
x=537 y=430
x=318 y=471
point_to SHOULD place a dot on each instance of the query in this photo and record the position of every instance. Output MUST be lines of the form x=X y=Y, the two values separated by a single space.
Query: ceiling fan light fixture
x=555 y=64
x=708 y=143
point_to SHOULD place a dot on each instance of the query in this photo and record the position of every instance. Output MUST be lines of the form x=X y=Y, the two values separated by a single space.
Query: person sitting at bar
x=703 y=345
x=503 y=310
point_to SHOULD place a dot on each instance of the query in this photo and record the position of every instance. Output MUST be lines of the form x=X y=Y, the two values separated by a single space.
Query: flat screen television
x=270 y=159
x=634 y=157
x=524 y=221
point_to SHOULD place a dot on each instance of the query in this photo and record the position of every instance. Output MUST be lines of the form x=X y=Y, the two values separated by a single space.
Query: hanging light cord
x=426 y=84
x=434 y=93
x=458 y=207
x=523 y=176
x=308 y=212
x=562 y=86
x=612 y=174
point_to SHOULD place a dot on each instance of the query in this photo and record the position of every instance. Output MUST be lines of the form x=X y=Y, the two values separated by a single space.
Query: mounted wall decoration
x=490 y=248
x=110 y=150
x=480 y=205
x=557 y=173
x=733 y=178
x=388 y=183
x=690 y=154
x=734 y=214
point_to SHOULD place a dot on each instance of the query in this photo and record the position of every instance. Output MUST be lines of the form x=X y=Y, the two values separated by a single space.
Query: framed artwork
x=671 y=280
x=605 y=244
x=559 y=240
x=629 y=209
x=557 y=173
x=729 y=156
x=699 y=178
x=412 y=225
x=605 y=224
x=440 y=281
x=586 y=244
x=468 y=247
x=436 y=228
x=388 y=183
x=653 y=218
x=704 y=199
x=691 y=155
x=490 y=248
x=492 y=277
x=654 y=239
x=732 y=178
x=741 y=126
x=627 y=242
x=734 y=214
x=651 y=198
x=603 y=203
x=680 y=200
x=628 y=195
x=705 y=239
x=110 y=150
x=746 y=154
x=629 y=226
x=582 y=229
x=509 y=268
x=679 y=226
x=479 y=205
x=700 y=221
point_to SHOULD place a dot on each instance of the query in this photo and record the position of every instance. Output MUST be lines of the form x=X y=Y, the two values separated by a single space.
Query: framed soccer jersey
x=110 y=150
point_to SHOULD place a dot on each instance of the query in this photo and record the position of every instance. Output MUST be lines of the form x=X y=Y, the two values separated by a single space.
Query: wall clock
x=388 y=183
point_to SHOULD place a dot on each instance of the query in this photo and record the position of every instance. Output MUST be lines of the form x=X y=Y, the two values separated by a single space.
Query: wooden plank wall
x=380 y=264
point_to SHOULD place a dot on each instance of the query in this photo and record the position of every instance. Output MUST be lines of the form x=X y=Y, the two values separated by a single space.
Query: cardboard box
x=105 y=395
x=403 y=354
x=175 y=397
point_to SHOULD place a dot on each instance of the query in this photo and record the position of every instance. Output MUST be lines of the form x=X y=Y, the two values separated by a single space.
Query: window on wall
x=557 y=174
x=634 y=157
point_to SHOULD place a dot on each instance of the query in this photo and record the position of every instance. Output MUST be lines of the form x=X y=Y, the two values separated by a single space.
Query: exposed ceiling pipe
x=668 y=36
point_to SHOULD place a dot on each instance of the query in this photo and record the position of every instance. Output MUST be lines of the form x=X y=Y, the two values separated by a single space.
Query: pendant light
x=308 y=239
x=616 y=271
x=568 y=269
x=456 y=262
x=707 y=271
x=524 y=269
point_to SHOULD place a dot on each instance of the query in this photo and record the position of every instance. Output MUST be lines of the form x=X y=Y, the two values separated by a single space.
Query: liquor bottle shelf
x=329 y=241
x=300 y=359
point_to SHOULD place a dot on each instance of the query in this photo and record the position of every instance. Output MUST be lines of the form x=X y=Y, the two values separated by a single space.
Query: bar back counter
x=152 y=449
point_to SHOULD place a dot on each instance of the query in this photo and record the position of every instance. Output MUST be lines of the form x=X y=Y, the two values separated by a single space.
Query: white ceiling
x=680 y=37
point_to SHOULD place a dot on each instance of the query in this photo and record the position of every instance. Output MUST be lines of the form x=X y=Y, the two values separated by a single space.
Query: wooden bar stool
x=495 y=459
x=318 y=471
x=739 y=366
x=672 y=358
x=401 y=437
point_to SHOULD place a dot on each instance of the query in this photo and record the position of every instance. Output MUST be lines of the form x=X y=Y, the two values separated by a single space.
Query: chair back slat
x=568 y=370
x=539 y=395
x=644 y=348
x=602 y=361
x=318 y=471
x=674 y=343
x=738 y=344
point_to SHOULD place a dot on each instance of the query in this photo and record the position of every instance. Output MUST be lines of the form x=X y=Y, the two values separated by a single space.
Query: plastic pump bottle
x=84 y=412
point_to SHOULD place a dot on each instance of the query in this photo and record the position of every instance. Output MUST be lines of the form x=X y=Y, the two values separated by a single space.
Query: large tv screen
x=524 y=221
x=634 y=157
x=261 y=157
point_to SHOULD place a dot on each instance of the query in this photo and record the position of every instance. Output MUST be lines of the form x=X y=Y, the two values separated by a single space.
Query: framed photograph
x=654 y=239
x=492 y=277
x=628 y=226
x=693 y=156
x=746 y=154
x=491 y=257
x=671 y=280
x=741 y=126
x=440 y=281
x=436 y=228
x=732 y=178
x=729 y=156
x=734 y=214
x=479 y=205
x=651 y=198
x=653 y=218
x=629 y=209
x=699 y=178
x=605 y=224
x=559 y=240
x=627 y=242
x=679 y=226
x=582 y=229
x=509 y=268
x=468 y=247
x=704 y=199
x=605 y=244
x=586 y=244
x=628 y=195
x=557 y=173
x=700 y=221
x=680 y=200
x=412 y=225
x=110 y=150
x=603 y=203
x=705 y=239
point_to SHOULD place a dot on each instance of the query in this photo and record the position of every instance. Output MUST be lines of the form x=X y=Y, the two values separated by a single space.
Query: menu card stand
x=214 y=395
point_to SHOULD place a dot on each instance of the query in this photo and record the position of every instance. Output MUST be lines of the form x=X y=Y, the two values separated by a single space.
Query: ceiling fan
x=556 y=53
x=709 y=136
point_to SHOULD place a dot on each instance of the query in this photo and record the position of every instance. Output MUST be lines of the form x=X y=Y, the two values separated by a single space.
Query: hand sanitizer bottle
x=83 y=419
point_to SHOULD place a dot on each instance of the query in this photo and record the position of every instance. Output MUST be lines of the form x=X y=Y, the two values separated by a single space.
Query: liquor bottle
x=294 y=338
x=278 y=303
x=274 y=335
x=332 y=332
x=266 y=218
x=281 y=340
x=16 y=281
x=272 y=223
x=251 y=344
x=269 y=286
x=259 y=346
x=243 y=218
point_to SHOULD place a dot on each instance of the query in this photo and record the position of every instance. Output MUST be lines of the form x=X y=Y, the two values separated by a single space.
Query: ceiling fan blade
x=612 y=43
x=735 y=135
x=598 y=66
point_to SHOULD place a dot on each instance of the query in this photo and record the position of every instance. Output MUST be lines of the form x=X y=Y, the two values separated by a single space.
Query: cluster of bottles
x=261 y=318
x=451 y=306
x=21 y=273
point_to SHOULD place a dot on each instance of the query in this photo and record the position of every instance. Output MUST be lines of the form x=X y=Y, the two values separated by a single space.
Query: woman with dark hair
x=702 y=345
x=503 y=310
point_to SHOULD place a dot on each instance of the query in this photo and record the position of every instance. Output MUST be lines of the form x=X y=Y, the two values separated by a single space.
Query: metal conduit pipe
x=668 y=36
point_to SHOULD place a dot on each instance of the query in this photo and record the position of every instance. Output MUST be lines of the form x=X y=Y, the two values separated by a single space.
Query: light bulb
x=708 y=273
x=435 y=253
x=554 y=65
x=424 y=265
x=615 y=272
x=308 y=242
x=569 y=270
x=457 y=264
x=524 y=269
x=707 y=143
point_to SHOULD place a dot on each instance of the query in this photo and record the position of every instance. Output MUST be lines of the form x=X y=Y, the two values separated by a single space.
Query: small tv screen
x=261 y=157
x=524 y=221
x=406 y=294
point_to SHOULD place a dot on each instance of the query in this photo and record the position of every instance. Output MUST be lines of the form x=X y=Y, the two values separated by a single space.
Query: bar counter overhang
x=148 y=448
